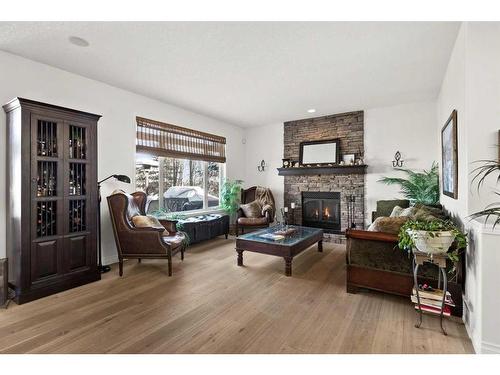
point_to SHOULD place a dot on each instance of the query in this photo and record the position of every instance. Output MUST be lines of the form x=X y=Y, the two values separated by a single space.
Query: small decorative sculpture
x=262 y=166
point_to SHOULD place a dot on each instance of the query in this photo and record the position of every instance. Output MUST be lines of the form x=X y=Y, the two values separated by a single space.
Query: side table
x=438 y=260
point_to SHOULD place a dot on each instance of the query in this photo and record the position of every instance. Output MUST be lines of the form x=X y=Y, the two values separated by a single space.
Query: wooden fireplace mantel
x=340 y=169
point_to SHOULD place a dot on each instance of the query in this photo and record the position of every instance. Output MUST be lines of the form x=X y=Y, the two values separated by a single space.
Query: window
x=174 y=183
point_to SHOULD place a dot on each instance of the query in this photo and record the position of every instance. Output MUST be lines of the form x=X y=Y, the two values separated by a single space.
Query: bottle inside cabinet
x=77 y=210
x=77 y=142
x=47 y=179
x=46 y=138
x=46 y=219
x=77 y=177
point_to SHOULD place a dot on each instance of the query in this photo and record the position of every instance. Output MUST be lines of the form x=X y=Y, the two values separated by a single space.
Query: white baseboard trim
x=489 y=348
x=109 y=260
x=476 y=344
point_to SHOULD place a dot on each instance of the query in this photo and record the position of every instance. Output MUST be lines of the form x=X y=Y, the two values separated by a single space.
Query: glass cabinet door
x=77 y=242
x=46 y=197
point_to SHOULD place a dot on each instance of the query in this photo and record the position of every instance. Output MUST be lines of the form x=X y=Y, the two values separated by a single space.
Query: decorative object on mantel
x=262 y=166
x=348 y=159
x=397 y=162
x=449 y=152
x=319 y=153
x=286 y=163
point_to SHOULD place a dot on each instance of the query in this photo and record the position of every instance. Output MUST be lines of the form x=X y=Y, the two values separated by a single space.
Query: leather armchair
x=138 y=243
x=263 y=221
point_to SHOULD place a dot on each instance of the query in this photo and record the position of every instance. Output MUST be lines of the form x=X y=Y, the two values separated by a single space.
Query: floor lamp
x=121 y=178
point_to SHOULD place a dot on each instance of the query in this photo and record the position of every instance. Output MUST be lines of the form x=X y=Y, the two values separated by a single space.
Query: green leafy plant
x=433 y=228
x=161 y=213
x=419 y=187
x=230 y=195
x=487 y=168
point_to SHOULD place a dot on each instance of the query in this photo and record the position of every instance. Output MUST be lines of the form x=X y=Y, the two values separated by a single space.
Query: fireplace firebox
x=321 y=210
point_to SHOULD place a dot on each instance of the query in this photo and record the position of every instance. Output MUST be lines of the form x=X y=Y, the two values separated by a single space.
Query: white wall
x=265 y=143
x=452 y=96
x=472 y=86
x=408 y=128
x=116 y=130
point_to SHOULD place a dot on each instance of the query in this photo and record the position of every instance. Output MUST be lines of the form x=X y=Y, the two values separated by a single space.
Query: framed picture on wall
x=449 y=152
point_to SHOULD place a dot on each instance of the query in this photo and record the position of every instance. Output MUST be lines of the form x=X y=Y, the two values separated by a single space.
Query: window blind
x=162 y=139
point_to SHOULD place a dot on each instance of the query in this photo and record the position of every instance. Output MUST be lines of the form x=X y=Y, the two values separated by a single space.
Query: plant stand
x=440 y=261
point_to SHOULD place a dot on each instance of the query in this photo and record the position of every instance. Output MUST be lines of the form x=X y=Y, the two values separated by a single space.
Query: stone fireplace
x=348 y=127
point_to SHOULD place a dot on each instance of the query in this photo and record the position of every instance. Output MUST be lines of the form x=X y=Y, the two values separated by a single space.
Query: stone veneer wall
x=348 y=127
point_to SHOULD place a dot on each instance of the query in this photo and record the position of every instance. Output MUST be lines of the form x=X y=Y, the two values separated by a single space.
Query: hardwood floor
x=212 y=306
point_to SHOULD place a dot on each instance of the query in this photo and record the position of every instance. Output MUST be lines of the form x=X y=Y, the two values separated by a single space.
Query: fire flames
x=327 y=213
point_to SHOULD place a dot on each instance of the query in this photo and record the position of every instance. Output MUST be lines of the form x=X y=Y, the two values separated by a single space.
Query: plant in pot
x=433 y=237
x=419 y=187
x=482 y=172
x=230 y=195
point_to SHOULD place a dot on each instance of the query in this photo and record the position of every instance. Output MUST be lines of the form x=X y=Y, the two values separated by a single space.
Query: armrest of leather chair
x=266 y=212
x=169 y=225
x=239 y=213
x=371 y=236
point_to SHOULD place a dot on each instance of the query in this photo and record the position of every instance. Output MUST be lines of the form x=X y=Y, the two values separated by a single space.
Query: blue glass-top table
x=266 y=241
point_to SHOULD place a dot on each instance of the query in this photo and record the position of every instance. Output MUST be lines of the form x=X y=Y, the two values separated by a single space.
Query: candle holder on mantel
x=292 y=213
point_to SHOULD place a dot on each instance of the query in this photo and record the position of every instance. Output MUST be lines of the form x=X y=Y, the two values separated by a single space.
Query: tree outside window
x=179 y=185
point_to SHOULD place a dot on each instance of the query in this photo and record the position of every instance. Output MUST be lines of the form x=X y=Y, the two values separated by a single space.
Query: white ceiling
x=250 y=73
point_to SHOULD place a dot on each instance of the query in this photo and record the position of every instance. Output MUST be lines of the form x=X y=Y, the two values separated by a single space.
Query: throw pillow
x=434 y=211
x=388 y=224
x=252 y=209
x=396 y=211
x=409 y=212
x=141 y=221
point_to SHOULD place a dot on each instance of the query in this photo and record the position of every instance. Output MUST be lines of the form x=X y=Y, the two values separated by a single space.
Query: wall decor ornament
x=449 y=152
x=262 y=166
x=397 y=162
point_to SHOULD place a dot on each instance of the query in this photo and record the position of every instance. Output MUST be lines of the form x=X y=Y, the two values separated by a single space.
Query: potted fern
x=488 y=167
x=418 y=187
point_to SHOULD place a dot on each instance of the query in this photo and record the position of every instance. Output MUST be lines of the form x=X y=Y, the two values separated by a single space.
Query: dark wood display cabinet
x=51 y=198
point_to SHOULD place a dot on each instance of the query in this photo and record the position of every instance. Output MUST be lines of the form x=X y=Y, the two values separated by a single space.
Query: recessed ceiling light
x=77 y=41
x=312 y=110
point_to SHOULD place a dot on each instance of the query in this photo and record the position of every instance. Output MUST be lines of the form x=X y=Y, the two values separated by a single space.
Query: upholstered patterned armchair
x=261 y=219
x=145 y=242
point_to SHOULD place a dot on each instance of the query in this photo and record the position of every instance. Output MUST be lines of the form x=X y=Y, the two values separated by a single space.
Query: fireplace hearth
x=321 y=210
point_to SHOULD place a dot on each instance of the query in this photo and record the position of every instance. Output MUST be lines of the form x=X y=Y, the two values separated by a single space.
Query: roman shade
x=162 y=139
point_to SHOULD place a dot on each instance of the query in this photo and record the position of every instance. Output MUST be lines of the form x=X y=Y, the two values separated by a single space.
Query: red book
x=434 y=310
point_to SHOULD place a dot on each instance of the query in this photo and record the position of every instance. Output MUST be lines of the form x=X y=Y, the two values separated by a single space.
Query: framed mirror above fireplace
x=322 y=152
x=321 y=210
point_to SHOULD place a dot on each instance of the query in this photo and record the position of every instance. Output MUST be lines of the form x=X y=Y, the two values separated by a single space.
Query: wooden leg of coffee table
x=288 y=266
x=240 y=257
x=320 y=246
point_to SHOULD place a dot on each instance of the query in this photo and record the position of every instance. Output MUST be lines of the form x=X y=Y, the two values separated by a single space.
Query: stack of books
x=431 y=300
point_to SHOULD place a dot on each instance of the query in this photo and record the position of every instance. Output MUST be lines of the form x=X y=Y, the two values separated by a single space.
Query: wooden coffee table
x=286 y=248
